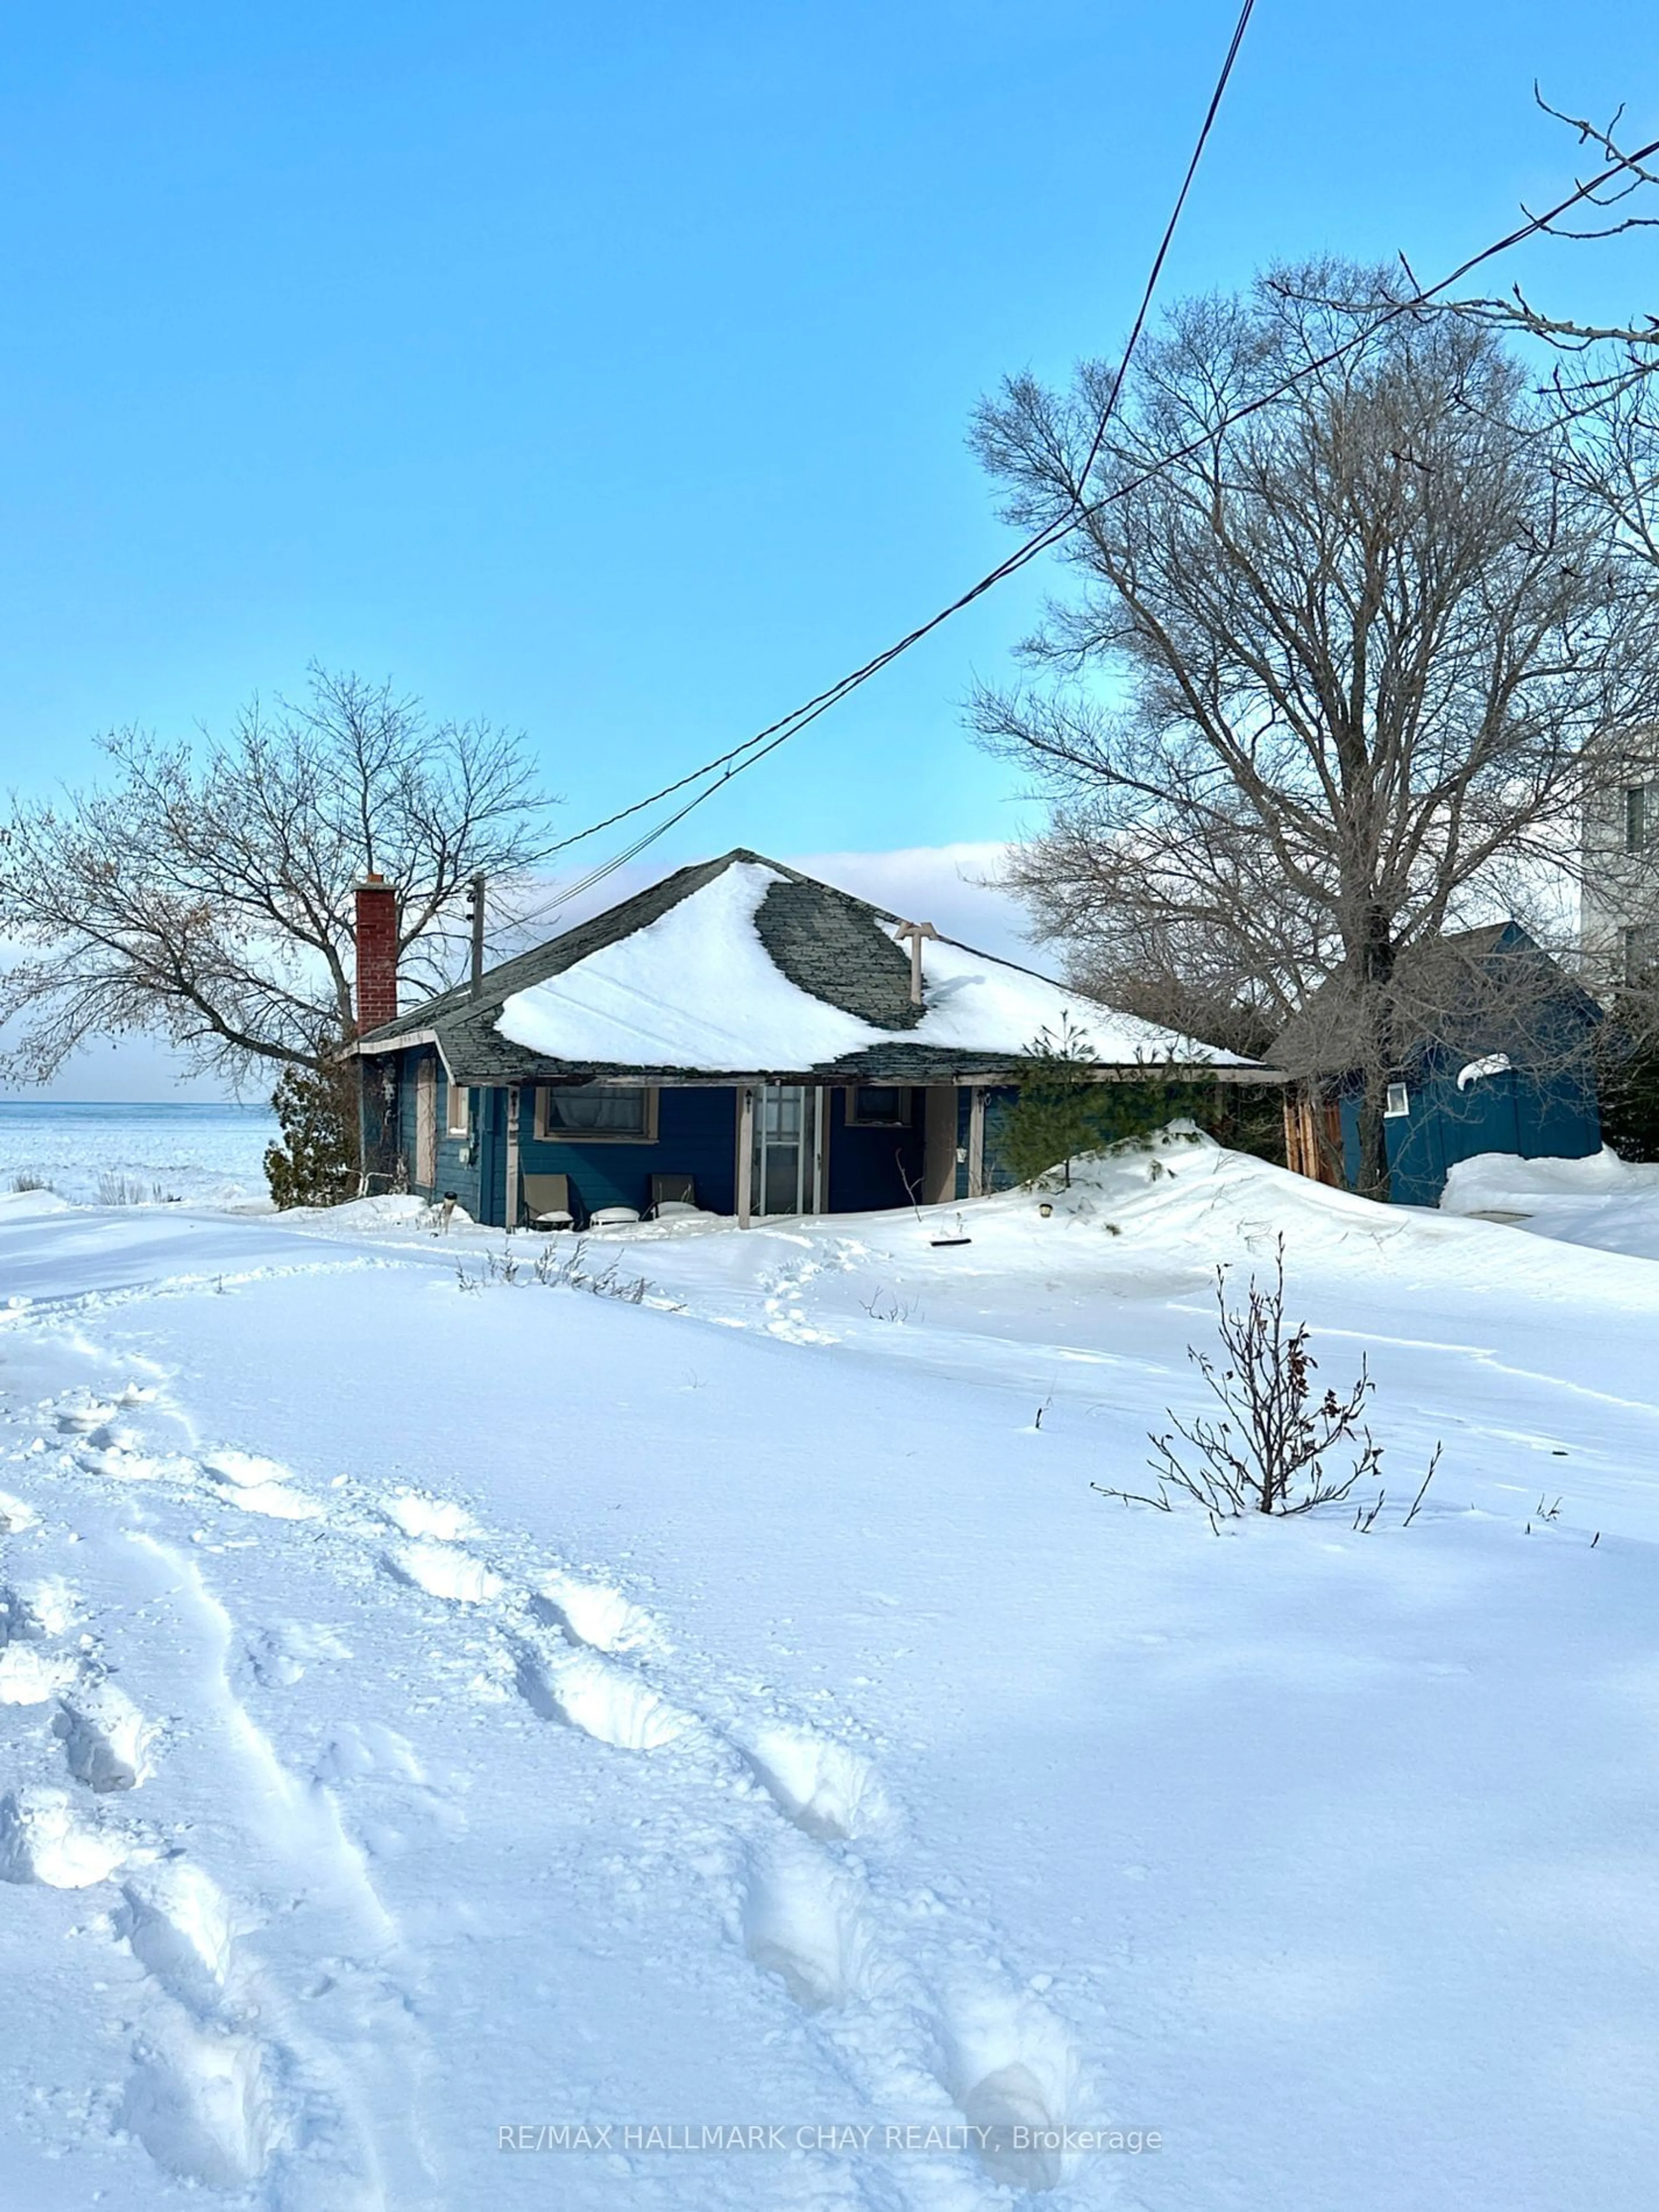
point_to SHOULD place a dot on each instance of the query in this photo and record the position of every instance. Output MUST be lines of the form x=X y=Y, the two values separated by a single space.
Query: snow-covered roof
x=742 y=967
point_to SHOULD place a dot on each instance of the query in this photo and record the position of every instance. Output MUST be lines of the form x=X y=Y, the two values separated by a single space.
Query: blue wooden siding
x=868 y=1167
x=453 y=1173
x=1539 y=1115
x=490 y=1119
x=1548 y=1117
x=998 y=1105
x=697 y=1135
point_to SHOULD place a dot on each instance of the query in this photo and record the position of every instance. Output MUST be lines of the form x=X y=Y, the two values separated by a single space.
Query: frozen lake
x=201 y=1154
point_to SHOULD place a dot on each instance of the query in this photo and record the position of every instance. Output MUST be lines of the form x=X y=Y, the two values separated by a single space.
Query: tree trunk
x=1377 y=1054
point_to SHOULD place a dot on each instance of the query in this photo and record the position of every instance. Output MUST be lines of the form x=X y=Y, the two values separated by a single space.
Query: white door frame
x=812 y=1160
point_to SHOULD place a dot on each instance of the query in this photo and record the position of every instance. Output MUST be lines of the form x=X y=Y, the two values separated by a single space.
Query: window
x=1638 y=945
x=460 y=1110
x=879 y=1106
x=1399 y=1101
x=1636 y=818
x=597 y=1113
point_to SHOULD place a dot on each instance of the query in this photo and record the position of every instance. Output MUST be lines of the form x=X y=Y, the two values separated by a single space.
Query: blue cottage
x=1502 y=1061
x=739 y=1039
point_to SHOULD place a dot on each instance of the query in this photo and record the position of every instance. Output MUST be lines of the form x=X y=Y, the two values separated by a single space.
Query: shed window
x=879 y=1106
x=598 y=1113
x=1399 y=1101
x=1636 y=818
x=460 y=1110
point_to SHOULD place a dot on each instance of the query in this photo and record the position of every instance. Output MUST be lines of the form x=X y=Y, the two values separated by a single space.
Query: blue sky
x=606 y=372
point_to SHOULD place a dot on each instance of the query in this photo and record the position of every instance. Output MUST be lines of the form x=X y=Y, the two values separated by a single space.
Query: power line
x=727 y=765
x=765 y=741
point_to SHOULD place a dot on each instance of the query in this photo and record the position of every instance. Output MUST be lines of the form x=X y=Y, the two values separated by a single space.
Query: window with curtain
x=597 y=1112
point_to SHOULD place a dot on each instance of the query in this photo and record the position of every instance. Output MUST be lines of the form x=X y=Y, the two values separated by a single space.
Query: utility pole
x=475 y=909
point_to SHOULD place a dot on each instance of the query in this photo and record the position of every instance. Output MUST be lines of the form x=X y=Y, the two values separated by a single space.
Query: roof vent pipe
x=915 y=932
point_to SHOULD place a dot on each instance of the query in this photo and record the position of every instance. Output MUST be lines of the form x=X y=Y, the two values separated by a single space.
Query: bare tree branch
x=1325 y=679
x=204 y=893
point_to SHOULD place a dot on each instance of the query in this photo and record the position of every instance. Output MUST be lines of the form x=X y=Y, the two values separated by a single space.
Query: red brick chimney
x=377 y=953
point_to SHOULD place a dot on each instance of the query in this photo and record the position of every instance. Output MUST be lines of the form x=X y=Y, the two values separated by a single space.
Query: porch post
x=821 y=1150
x=977 y=1142
x=939 y=1144
x=745 y=1154
x=510 y=1211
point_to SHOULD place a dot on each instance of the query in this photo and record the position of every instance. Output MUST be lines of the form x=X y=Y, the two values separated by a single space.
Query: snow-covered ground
x=440 y=1704
x=1602 y=1201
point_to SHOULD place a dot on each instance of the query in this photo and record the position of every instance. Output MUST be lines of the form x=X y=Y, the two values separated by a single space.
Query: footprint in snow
x=201 y=2104
x=606 y=1702
x=118 y=1461
x=31 y=1616
x=361 y=1748
x=418 y=1515
x=179 y=1926
x=259 y=1486
x=32 y=1676
x=827 y=1789
x=32 y=1611
x=15 y=1515
x=107 y=1740
x=279 y=1656
x=803 y=1918
x=44 y=1838
x=1008 y=2065
x=594 y=1613
x=79 y=1413
x=441 y=1572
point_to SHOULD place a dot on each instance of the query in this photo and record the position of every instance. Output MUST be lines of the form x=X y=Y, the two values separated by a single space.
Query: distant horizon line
x=243 y=1105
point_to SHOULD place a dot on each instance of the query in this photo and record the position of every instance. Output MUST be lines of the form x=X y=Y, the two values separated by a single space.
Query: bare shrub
x=1269 y=1452
x=120 y=1190
x=569 y=1272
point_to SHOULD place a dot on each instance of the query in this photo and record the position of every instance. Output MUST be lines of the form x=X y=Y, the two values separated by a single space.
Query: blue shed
x=739 y=1038
x=1499 y=1058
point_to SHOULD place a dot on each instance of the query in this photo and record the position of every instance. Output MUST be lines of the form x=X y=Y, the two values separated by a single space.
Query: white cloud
x=952 y=886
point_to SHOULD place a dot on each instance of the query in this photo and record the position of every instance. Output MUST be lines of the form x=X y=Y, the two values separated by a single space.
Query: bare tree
x=1617 y=357
x=204 y=894
x=1325 y=683
x=1187 y=933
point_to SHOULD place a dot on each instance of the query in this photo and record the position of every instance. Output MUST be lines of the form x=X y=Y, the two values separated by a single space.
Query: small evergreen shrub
x=317 y=1162
x=1627 y=1083
x=1062 y=1110
x=1056 y=1115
